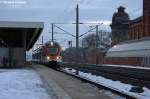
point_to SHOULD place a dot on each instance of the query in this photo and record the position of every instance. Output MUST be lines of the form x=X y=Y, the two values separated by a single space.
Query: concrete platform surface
x=62 y=86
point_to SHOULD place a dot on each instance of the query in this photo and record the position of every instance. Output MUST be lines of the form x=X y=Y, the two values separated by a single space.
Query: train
x=49 y=54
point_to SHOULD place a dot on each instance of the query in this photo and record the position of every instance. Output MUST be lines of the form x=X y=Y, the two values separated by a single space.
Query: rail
x=134 y=76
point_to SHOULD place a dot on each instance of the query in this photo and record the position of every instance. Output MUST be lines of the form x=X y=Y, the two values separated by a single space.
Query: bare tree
x=90 y=52
x=87 y=53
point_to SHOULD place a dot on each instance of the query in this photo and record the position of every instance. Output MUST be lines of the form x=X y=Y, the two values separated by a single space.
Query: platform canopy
x=137 y=48
x=13 y=34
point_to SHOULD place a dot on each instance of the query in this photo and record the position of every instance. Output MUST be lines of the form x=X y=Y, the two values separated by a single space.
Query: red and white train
x=49 y=53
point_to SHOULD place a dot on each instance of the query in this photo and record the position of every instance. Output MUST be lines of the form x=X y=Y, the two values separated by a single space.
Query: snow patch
x=117 y=85
x=21 y=84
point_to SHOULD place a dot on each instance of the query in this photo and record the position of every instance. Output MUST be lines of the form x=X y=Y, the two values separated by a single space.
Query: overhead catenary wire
x=65 y=31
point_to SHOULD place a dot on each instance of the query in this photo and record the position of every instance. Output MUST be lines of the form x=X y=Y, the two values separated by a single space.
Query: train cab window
x=52 y=50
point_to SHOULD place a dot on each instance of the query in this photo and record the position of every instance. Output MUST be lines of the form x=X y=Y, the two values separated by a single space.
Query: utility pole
x=77 y=27
x=77 y=36
x=71 y=43
x=52 y=32
x=96 y=44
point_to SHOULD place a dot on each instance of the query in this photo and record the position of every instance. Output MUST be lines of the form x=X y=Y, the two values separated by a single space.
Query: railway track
x=133 y=76
x=127 y=96
x=118 y=92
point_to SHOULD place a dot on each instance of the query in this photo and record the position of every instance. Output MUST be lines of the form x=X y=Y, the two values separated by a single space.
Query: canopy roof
x=136 y=48
x=12 y=33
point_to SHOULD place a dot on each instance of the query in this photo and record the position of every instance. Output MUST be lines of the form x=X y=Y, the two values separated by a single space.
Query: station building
x=140 y=27
x=136 y=49
x=136 y=29
x=120 y=26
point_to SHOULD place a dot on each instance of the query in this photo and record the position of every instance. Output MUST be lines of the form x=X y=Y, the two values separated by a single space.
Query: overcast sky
x=49 y=11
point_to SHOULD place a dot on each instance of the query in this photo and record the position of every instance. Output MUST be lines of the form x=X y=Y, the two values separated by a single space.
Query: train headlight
x=115 y=46
x=48 y=57
x=52 y=43
x=57 y=57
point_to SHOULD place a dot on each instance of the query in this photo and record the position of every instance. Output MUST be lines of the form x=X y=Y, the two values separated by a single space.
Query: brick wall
x=136 y=30
x=146 y=17
x=133 y=61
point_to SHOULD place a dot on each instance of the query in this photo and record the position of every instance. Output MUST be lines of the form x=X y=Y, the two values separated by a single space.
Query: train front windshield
x=52 y=50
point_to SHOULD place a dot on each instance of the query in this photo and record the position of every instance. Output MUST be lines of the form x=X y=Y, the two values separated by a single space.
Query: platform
x=62 y=86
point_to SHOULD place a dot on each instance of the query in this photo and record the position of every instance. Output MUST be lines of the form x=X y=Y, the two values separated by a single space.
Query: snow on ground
x=21 y=84
x=117 y=85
